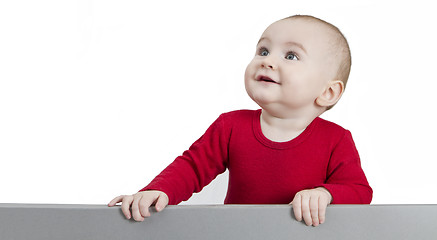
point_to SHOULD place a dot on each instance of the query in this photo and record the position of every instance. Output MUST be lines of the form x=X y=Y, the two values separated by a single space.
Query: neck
x=284 y=128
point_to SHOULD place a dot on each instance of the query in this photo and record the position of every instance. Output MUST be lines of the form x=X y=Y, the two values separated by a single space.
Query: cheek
x=250 y=67
x=247 y=77
x=246 y=73
x=299 y=86
x=250 y=72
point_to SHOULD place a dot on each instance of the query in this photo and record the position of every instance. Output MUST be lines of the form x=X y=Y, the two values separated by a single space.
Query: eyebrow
x=287 y=43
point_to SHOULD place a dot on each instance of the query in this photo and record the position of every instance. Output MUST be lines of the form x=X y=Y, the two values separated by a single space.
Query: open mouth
x=265 y=79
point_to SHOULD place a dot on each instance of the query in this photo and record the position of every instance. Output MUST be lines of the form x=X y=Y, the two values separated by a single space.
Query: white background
x=97 y=97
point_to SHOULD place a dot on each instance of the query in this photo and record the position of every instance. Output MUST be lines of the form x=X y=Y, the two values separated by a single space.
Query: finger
x=136 y=208
x=314 y=209
x=161 y=203
x=297 y=207
x=125 y=205
x=115 y=200
x=306 y=214
x=322 y=209
x=144 y=205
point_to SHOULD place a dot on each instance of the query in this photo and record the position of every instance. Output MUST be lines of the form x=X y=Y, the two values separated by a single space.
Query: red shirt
x=265 y=172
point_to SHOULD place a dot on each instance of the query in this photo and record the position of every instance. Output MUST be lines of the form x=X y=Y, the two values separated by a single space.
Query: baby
x=284 y=152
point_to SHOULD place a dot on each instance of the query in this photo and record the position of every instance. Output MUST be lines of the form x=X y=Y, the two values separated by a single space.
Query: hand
x=311 y=205
x=140 y=203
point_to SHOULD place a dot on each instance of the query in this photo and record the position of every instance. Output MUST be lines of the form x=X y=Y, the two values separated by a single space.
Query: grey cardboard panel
x=43 y=221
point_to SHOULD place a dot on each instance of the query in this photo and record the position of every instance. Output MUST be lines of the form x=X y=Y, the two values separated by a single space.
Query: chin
x=261 y=99
x=261 y=96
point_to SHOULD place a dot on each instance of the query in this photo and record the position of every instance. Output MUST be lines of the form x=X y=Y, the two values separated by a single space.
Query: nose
x=268 y=62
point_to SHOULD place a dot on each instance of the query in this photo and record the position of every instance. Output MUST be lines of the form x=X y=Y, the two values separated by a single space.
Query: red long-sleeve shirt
x=265 y=172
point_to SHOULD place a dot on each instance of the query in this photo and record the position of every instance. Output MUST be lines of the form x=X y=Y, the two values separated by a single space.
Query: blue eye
x=291 y=56
x=263 y=52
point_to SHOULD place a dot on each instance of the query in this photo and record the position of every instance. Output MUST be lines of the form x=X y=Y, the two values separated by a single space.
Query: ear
x=331 y=94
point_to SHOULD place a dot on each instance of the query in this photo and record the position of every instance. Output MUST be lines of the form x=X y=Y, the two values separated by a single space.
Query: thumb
x=161 y=202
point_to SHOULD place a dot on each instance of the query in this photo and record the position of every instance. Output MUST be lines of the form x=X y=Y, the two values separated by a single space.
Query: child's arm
x=310 y=205
x=188 y=173
x=346 y=183
x=140 y=203
x=346 y=180
x=196 y=167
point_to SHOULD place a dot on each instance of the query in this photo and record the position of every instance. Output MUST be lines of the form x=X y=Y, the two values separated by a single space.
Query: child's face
x=293 y=65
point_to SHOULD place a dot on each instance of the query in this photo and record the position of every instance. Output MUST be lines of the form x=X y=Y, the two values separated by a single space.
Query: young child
x=282 y=153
